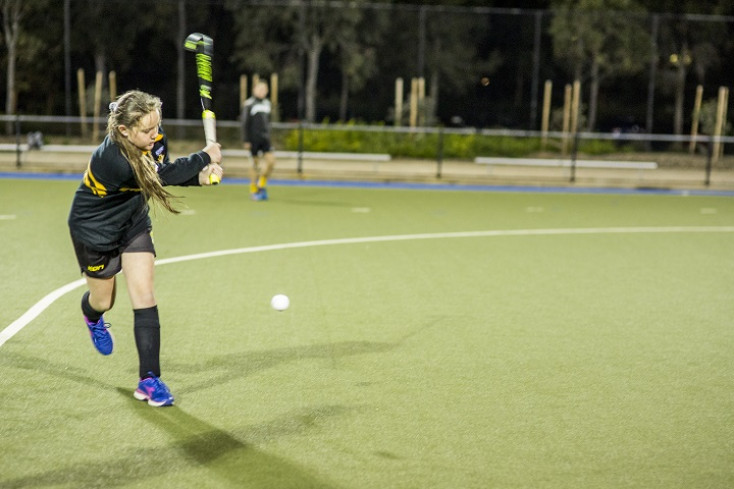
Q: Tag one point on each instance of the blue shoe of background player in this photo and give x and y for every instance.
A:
(153, 390)
(261, 194)
(101, 336)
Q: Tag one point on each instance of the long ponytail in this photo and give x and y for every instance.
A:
(129, 108)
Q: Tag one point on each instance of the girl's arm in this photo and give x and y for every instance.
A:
(184, 171)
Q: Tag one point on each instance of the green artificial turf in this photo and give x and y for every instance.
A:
(562, 360)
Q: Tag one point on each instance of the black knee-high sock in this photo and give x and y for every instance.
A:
(88, 310)
(148, 340)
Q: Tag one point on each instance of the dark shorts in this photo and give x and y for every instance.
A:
(260, 146)
(106, 264)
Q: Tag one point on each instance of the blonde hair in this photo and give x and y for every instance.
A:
(128, 110)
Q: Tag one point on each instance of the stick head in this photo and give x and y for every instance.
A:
(199, 43)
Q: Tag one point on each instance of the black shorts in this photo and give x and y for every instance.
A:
(106, 264)
(260, 146)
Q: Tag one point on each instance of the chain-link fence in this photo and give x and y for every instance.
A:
(425, 65)
(428, 82)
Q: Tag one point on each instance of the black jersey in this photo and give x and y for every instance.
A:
(256, 120)
(108, 209)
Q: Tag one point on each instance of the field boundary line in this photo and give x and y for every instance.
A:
(16, 326)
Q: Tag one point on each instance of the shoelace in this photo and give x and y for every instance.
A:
(104, 326)
(159, 386)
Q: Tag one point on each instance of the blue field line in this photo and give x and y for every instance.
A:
(424, 186)
(39, 176)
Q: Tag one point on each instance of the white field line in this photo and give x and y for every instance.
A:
(49, 299)
(37, 309)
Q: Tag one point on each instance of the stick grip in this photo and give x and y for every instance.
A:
(210, 133)
(210, 126)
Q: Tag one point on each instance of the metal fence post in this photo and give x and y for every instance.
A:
(300, 147)
(709, 160)
(439, 153)
(574, 154)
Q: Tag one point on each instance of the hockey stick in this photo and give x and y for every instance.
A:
(203, 46)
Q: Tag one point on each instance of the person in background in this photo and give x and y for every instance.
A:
(256, 137)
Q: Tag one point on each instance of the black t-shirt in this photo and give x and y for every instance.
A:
(256, 120)
(109, 209)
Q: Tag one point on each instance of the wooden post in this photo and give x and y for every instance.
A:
(566, 118)
(696, 118)
(421, 101)
(82, 100)
(97, 105)
(274, 96)
(413, 102)
(545, 120)
(398, 102)
(255, 79)
(723, 118)
(243, 90)
(720, 122)
(113, 85)
(575, 104)
(724, 109)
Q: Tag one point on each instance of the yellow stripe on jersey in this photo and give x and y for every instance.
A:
(97, 188)
(157, 159)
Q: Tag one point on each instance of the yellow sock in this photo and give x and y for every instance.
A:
(253, 188)
(262, 181)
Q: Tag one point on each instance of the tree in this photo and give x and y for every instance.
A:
(13, 12)
(452, 58)
(110, 45)
(30, 36)
(441, 46)
(298, 32)
(265, 41)
(598, 40)
(357, 54)
(685, 45)
(323, 27)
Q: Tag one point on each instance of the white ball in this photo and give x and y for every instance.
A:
(280, 302)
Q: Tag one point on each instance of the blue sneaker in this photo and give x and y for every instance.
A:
(261, 194)
(153, 390)
(101, 336)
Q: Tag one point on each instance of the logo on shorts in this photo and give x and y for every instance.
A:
(95, 268)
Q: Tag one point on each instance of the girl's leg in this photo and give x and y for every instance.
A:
(138, 269)
(96, 301)
(99, 298)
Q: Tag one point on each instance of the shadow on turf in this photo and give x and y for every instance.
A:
(203, 445)
(200, 445)
(243, 364)
(195, 444)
